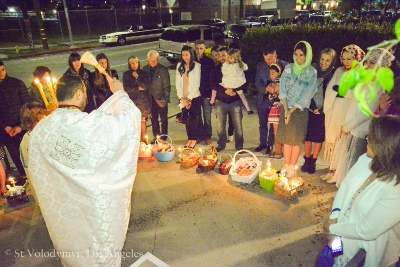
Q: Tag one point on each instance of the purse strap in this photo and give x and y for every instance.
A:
(367, 182)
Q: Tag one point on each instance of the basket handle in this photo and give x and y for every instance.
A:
(188, 148)
(244, 150)
(212, 150)
(225, 153)
(170, 139)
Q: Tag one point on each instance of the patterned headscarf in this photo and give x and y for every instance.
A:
(298, 69)
(376, 54)
(354, 50)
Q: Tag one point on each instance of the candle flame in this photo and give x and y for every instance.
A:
(48, 79)
(37, 81)
(54, 80)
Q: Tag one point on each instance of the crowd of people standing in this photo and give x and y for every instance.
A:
(298, 104)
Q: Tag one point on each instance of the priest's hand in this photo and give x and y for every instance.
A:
(116, 85)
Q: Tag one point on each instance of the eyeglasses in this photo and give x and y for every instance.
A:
(366, 138)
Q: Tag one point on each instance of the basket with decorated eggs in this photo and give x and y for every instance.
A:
(164, 150)
(209, 159)
(189, 157)
(225, 164)
(245, 169)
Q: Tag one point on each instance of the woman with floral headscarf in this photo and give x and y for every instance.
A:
(297, 87)
(355, 124)
(325, 66)
(335, 108)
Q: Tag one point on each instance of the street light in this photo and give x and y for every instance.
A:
(170, 12)
(143, 7)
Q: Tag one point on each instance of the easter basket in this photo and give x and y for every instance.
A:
(187, 159)
(145, 150)
(16, 196)
(288, 189)
(225, 165)
(163, 150)
(245, 169)
(208, 162)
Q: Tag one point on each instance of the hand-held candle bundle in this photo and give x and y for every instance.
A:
(88, 58)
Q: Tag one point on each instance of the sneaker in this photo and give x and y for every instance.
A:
(331, 180)
(208, 142)
(290, 172)
(230, 138)
(250, 112)
(268, 150)
(326, 176)
(260, 148)
(220, 148)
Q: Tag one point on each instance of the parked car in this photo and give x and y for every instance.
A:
(236, 31)
(174, 38)
(133, 33)
(217, 23)
(371, 15)
(303, 15)
(249, 23)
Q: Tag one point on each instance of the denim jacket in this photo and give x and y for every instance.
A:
(298, 89)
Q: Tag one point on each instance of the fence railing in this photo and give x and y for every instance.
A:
(85, 24)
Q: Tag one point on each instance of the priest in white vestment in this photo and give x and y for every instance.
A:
(83, 167)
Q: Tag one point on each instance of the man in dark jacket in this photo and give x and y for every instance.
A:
(13, 94)
(227, 103)
(207, 66)
(263, 103)
(160, 89)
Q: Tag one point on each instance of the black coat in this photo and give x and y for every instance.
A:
(13, 94)
(101, 92)
(85, 76)
(141, 98)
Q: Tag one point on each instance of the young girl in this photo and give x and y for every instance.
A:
(275, 112)
(233, 77)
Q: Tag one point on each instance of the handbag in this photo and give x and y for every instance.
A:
(325, 257)
(181, 118)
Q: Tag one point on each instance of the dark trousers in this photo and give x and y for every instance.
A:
(231, 128)
(194, 122)
(156, 112)
(266, 131)
(12, 145)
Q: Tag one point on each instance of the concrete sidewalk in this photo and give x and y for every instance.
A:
(186, 218)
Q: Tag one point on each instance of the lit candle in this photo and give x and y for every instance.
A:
(12, 182)
(50, 85)
(39, 85)
(295, 170)
(147, 139)
(268, 166)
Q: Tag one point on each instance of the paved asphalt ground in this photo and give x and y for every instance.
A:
(191, 219)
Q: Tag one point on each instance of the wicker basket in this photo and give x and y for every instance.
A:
(143, 150)
(211, 159)
(281, 190)
(225, 165)
(189, 160)
(246, 169)
(169, 154)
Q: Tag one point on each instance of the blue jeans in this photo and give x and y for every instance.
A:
(206, 110)
(266, 135)
(235, 110)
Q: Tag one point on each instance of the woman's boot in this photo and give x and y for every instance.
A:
(311, 165)
(306, 165)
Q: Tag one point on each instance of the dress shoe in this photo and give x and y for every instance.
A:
(154, 141)
(260, 148)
